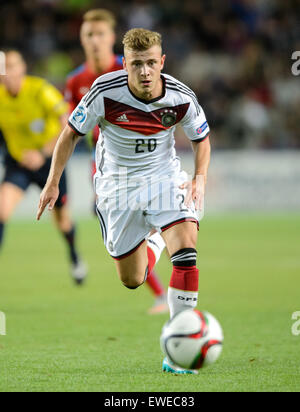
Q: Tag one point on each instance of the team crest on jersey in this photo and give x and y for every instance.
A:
(80, 115)
(168, 118)
(140, 121)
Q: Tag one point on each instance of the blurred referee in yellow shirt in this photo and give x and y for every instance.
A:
(32, 115)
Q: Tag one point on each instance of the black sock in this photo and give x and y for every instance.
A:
(70, 238)
(1, 233)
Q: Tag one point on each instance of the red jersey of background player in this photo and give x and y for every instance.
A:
(79, 82)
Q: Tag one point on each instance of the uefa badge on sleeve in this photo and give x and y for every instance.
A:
(202, 128)
(168, 118)
(79, 115)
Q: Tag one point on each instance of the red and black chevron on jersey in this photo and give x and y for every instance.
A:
(140, 121)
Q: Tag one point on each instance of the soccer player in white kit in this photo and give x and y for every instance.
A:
(139, 184)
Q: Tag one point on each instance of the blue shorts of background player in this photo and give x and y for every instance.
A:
(23, 178)
(15, 182)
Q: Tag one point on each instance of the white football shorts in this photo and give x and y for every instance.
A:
(127, 215)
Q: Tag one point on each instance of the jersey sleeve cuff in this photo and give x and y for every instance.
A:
(202, 138)
(75, 130)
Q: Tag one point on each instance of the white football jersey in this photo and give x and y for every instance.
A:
(138, 134)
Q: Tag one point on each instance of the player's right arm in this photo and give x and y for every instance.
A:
(63, 150)
(197, 129)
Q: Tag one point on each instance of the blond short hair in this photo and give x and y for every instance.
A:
(100, 15)
(12, 51)
(8, 51)
(141, 39)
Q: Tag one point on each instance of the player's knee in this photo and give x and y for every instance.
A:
(132, 285)
(132, 282)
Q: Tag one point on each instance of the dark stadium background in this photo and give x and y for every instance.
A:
(235, 54)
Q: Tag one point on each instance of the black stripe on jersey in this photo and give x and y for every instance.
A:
(188, 92)
(184, 90)
(99, 87)
(103, 90)
(183, 86)
(100, 84)
(74, 129)
(176, 89)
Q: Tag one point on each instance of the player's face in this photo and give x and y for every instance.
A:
(97, 39)
(144, 68)
(15, 71)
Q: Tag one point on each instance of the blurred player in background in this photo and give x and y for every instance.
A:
(32, 114)
(97, 36)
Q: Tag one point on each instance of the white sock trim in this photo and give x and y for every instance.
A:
(156, 244)
(179, 300)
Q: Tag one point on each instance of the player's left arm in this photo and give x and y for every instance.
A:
(197, 130)
(196, 187)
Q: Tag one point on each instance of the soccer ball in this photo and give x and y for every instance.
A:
(192, 339)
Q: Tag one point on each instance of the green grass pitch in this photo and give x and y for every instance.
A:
(99, 337)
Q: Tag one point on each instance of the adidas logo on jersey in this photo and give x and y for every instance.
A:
(122, 118)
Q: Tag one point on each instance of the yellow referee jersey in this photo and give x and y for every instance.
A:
(32, 118)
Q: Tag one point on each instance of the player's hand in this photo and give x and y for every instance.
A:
(195, 192)
(32, 160)
(49, 197)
